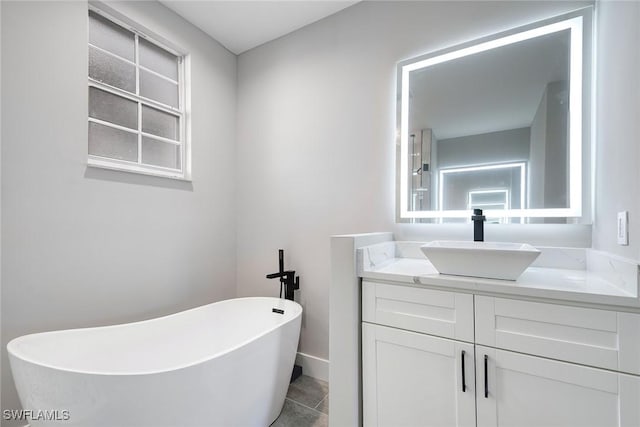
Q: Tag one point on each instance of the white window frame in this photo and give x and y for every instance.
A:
(182, 112)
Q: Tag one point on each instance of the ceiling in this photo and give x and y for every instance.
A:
(242, 25)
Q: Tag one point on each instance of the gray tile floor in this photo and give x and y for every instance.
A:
(306, 405)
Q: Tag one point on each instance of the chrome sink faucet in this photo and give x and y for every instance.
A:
(478, 225)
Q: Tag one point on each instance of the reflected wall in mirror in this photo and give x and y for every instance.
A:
(500, 124)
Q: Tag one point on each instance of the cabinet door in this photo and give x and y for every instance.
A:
(412, 379)
(519, 390)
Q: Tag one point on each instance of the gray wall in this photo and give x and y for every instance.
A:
(618, 126)
(316, 133)
(549, 157)
(537, 154)
(84, 247)
(495, 147)
(488, 148)
(556, 194)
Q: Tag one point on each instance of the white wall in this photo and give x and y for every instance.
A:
(85, 247)
(316, 132)
(618, 126)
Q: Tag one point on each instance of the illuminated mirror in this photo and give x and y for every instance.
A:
(500, 124)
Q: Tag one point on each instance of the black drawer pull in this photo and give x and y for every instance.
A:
(464, 385)
(486, 377)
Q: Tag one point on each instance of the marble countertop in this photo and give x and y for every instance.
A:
(585, 277)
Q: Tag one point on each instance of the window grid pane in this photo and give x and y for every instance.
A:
(160, 153)
(157, 59)
(158, 89)
(109, 142)
(158, 123)
(111, 70)
(112, 108)
(111, 37)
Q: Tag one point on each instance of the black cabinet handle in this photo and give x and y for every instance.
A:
(486, 377)
(464, 384)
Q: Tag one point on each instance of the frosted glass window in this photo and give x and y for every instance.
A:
(110, 70)
(111, 37)
(158, 89)
(159, 60)
(105, 141)
(136, 118)
(112, 108)
(160, 153)
(160, 123)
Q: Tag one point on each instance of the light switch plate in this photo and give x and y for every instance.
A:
(623, 228)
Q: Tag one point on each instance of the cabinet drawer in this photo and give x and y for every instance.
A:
(441, 313)
(601, 338)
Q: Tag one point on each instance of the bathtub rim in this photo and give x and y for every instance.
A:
(222, 353)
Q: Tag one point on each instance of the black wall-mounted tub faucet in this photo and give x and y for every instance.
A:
(478, 225)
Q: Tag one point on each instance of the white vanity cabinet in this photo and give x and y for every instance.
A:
(535, 364)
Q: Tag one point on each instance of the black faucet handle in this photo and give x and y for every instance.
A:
(477, 215)
(285, 274)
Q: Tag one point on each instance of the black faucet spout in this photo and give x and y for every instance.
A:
(478, 225)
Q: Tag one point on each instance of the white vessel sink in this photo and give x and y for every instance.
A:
(491, 260)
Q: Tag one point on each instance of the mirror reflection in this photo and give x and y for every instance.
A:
(496, 128)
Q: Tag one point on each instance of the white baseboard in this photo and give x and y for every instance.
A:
(313, 366)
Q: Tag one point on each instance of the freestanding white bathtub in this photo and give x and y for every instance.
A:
(224, 364)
